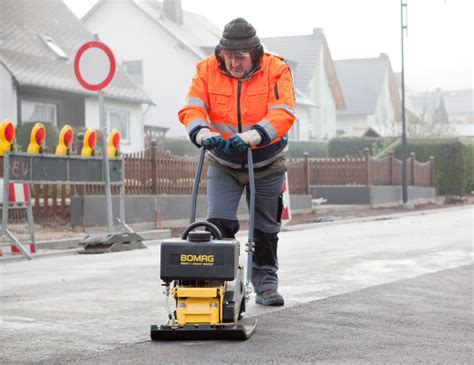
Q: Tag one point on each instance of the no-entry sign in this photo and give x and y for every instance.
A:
(94, 65)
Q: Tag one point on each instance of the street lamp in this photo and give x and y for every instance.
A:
(404, 26)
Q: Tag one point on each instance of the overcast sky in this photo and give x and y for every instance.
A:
(438, 49)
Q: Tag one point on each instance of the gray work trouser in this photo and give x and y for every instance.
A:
(224, 192)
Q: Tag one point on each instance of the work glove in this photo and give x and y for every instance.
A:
(209, 140)
(241, 141)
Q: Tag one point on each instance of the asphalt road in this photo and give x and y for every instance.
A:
(427, 319)
(88, 308)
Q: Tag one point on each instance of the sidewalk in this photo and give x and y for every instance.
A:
(323, 216)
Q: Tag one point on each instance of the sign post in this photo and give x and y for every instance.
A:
(94, 66)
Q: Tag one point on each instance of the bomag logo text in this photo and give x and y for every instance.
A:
(197, 259)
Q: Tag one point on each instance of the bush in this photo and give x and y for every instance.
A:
(453, 162)
(468, 144)
(345, 146)
(23, 133)
(315, 149)
(180, 147)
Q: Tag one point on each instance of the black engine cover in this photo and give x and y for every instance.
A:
(211, 260)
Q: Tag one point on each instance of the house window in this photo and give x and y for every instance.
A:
(120, 120)
(53, 46)
(32, 111)
(134, 69)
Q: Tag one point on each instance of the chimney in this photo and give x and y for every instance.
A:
(173, 11)
(317, 32)
(384, 57)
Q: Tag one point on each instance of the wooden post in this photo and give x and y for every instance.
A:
(413, 168)
(433, 178)
(390, 161)
(306, 173)
(154, 167)
(367, 166)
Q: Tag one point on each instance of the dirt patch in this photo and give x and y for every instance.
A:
(44, 232)
(324, 215)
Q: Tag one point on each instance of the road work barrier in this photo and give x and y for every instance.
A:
(22, 169)
(19, 205)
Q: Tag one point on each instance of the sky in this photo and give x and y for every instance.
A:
(438, 49)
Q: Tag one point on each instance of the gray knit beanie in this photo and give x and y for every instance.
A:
(239, 34)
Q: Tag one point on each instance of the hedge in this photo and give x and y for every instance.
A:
(355, 146)
(313, 148)
(468, 144)
(23, 133)
(182, 147)
(453, 162)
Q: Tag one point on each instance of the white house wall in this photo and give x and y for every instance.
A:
(324, 115)
(8, 96)
(136, 142)
(167, 66)
(384, 118)
(301, 129)
(353, 125)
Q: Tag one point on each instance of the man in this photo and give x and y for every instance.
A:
(242, 97)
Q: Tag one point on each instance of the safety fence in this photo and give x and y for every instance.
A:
(152, 172)
(365, 170)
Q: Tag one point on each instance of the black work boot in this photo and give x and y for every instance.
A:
(269, 297)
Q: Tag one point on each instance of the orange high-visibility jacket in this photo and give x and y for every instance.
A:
(263, 101)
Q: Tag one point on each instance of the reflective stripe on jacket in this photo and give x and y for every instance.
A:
(263, 101)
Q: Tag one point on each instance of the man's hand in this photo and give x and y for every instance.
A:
(209, 140)
(242, 141)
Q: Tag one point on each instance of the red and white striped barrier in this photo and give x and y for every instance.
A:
(17, 193)
(286, 212)
(13, 250)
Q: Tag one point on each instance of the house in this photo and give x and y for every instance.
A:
(159, 45)
(318, 92)
(428, 106)
(460, 105)
(371, 95)
(439, 112)
(426, 114)
(460, 108)
(38, 43)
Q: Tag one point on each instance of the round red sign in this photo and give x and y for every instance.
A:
(94, 65)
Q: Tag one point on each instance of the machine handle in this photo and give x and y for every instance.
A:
(250, 242)
(216, 233)
(197, 179)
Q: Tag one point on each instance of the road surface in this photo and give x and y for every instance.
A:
(392, 290)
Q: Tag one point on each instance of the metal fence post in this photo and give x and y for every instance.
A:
(306, 173)
(154, 167)
(367, 165)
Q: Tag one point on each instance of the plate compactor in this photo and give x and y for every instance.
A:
(201, 272)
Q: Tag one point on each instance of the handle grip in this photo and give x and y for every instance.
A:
(215, 232)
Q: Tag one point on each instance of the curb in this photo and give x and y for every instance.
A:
(68, 246)
(71, 243)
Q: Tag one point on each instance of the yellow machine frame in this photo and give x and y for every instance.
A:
(199, 305)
